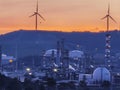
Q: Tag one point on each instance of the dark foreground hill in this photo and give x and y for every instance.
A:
(27, 43)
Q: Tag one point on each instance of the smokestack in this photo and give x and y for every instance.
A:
(62, 51)
(58, 53)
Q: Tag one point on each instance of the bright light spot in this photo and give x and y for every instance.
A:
(10, 60)
(55, 70)
(118, 74)
(30, 73)
(91, 66)
(28, 69)
(109, 65)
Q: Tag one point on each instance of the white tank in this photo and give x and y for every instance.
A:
(76, 54)
(101, 74)
(48, 53)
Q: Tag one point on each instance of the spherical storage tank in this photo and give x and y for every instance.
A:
(76, 54)
(101, 74)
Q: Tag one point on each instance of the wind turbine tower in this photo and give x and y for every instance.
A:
(108, 39)
(36, 14)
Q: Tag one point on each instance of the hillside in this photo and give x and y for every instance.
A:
(30, 42)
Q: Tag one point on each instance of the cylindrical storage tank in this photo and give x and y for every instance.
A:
(49, 53)
(101, 74)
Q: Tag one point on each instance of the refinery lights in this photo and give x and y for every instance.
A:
(55, 70)
(28, 69)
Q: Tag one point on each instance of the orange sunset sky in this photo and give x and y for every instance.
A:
(60, 15)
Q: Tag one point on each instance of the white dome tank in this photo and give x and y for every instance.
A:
(48, 53)
(101, 74)
(76, 54)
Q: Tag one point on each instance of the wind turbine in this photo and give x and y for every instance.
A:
(108, 16)
(36, 14)
(108, 38)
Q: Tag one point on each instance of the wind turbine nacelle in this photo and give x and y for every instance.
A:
(35, 12)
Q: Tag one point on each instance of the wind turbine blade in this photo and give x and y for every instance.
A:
(109, 9)
(41, 16)
(37, 7)
(32, 15)
(104, 17)
(113, 19)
